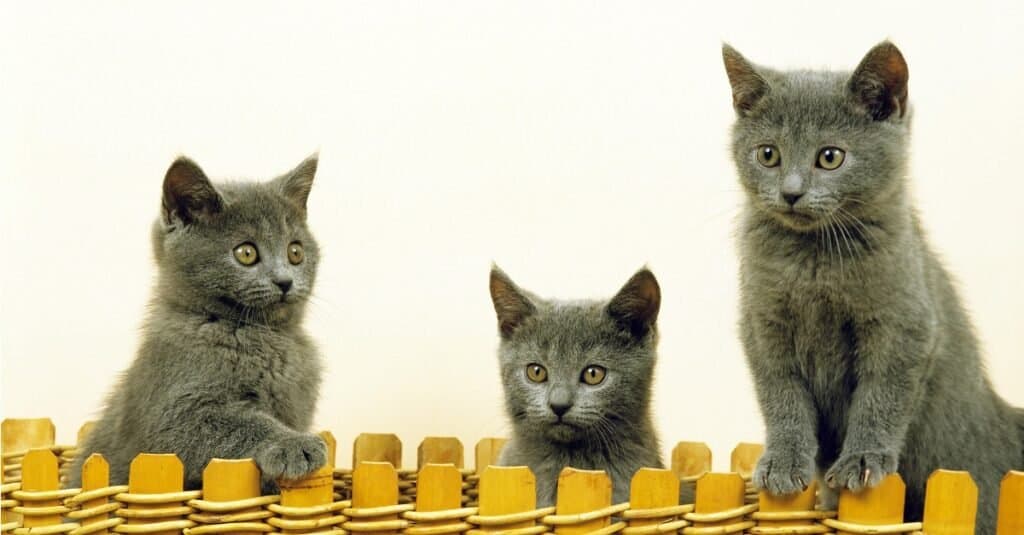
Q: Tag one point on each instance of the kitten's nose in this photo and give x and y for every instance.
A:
(559, 408)
(284, 285)
(792, 198)
(560, 400)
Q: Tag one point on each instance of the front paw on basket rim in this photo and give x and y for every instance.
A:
(860, 470)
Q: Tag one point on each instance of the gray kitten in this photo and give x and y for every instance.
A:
(577, 378)
(863, 358)
(225, 368)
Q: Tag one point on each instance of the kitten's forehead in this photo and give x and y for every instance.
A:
(260, 206)
(798, 100)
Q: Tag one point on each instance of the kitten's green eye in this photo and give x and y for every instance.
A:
(768, 155)
(295, 254)
(831, 158)
(536, 373)
(593, 375)
(246, 254)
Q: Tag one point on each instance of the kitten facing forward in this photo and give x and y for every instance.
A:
(577, 378)
(863, 358)
(225, 368)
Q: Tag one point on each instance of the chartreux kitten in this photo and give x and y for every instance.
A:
(863, 357)
(577, 377)
(225, 368)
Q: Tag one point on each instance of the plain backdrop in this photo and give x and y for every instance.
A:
(570, 142)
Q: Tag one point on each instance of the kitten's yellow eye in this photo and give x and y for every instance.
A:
(295, 253)
(593, 375)
(768, 156)
(246, 254)
(831, 158)
(536, 373)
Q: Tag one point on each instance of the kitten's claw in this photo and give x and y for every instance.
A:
(292, 457)
(856, 471)
(781, 472)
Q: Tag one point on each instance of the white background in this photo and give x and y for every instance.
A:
(569, 142)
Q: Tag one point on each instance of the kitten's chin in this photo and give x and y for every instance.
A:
(562, 433)
(795, 221)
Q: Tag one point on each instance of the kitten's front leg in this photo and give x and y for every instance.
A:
(889, 367)
(788, 464)
(239, 430)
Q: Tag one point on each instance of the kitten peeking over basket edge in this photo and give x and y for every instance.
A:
(577, 380)
(224, 368)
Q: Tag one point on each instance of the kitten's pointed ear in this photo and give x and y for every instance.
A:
(748, 87)
(637, 303)
(880, 82)
(188, 194)
(510, 303)
(297, 183)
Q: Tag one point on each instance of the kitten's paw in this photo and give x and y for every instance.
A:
(292, 457)
(856, 471)
(784, 472)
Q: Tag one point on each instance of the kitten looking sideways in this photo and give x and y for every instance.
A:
(225, 368)
(863, 358)
(577, 377)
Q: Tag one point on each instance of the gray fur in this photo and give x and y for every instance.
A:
(863, 358)
(225, 369)
(608, 426)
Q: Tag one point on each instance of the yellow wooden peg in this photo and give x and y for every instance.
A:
(83, 432)
(582, 491)
(487, 452)
(374, 484)
(314, 489)
(95, 475)
(39, 473)
(1011, 504)
(718, 493)
(377, 447)
(771, 508)
(155, 473)
(876, 506)
(440, 450)
(438, 488)
(653, 489)
(950, 504)
(744, 458)
(691, 459)
(332, 447)
(506, 490)
(20, 434)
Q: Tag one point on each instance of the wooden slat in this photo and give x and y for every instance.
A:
(1011, 504)
(20, 434)
(652, 488)
(505, 490)
(377, 447)
(719, 492)
(440, 450)
(691, 459)
(95, 475)
(951, 503)
(876, 506)
(84, 431)
(744, 458)
(314, 489)
(151, 473)
(375, 484)
(582, 491)
(332, 447)
(39, 472)
(487, 451)
(803, 501)
(226, 480)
